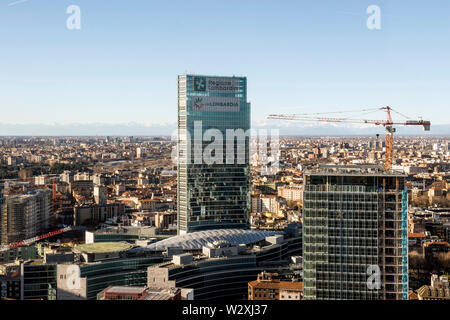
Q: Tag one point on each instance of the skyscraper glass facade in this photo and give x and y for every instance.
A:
(355, 226)
(212, 195)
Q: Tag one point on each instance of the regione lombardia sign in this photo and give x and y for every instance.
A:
(204, 102)
(216, 85)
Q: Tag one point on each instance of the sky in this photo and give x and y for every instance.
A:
(298, 56)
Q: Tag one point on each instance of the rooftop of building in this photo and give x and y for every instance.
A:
(436, 243)
(125, 290)
(103, 247)
(352, 170)
(412, 295)
(145, 292)
(196, 240)
(277, 284)
(161, 293)
(124, 229)
(416, 235)
(196, 260)
(428, 292)
(34, 262)
(213, 76)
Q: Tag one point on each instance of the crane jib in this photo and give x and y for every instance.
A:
(388, 124)
(34, 239)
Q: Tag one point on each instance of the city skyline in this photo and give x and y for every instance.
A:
(224, 152)
(114, 220)
(294, 128)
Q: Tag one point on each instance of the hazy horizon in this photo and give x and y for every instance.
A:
(121, 65)
(139, 129)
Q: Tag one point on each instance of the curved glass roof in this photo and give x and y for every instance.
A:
(196, 240)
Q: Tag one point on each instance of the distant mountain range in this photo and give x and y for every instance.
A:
(140, 129)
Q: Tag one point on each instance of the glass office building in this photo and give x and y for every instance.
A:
(226, 277)
(354, 226)
(97, 276)
(38, 280)
(213, 194)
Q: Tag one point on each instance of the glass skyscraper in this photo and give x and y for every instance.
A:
(216, 194)
(355, 223)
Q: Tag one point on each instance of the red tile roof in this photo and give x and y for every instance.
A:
(416, 235)
(276, 285)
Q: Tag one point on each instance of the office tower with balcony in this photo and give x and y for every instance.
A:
(212, 195)
(355, 232)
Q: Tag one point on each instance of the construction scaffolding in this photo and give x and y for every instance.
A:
(353, 219)
(25, 216)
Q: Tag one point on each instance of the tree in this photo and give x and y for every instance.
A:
(417, 263)
(444, 261)
(421, 202)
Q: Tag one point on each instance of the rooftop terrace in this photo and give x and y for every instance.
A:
(103, 247)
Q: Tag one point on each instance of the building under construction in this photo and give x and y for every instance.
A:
(2, 201)
(355, 228)
(25, 216)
